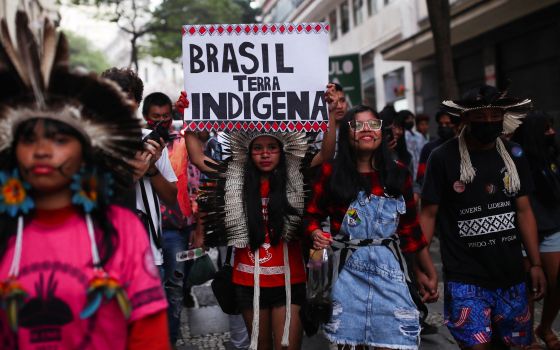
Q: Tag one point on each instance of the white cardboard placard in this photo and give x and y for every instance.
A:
(256, 76)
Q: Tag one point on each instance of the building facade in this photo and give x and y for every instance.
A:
(511, 44)
(494, 42)
(359, 27)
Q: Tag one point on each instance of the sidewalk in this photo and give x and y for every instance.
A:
(206, 327)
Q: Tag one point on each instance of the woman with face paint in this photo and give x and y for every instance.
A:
(367, 194)
(75, 271)
(537, 139)
(253, 202)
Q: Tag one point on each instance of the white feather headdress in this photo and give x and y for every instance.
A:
(513, 113)
(488, 97)
(223, 200)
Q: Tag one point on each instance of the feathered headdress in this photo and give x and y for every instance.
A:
(222, 196)
(488, 97)
(226, 221)
(37, 83)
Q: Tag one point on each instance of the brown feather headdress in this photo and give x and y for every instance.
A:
(38, 83)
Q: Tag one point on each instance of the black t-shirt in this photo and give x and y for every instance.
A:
(480, 241)
(429, 148)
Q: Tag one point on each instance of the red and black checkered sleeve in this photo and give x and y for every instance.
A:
(422, 163)
(420, 173)
(411, 236)
(317, 210)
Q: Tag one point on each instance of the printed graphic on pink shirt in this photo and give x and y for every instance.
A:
(56, 270)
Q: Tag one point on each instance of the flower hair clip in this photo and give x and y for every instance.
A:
(14, 197)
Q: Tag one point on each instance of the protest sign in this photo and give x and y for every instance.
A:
(256, 76)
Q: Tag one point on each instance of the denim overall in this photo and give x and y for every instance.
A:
(371, 301)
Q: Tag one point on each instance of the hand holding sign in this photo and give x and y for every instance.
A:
(182, 103)
(330, 96)
(330, 93)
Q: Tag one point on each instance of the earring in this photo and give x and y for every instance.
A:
(87, 186)
(14, 198)
(104, 287)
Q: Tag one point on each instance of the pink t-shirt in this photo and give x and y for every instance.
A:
(55, 270)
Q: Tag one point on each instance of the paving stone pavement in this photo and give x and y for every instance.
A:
(206, 327)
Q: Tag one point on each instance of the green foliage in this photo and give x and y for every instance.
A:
(171, 15)
(83, 55)
(164, 28)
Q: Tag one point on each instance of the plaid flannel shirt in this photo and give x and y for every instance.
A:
(323, 205)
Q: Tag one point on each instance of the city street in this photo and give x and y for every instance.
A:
(206, 326)
(134, 134)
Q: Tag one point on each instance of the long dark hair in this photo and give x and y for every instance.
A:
(346, 182)
(108, 240)
(540, 154)
(278, 206)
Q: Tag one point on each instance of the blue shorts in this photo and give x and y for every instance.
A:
(474, 315)
(550, 244)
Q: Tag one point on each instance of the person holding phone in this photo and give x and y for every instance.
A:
(156, 180)
(393, 132)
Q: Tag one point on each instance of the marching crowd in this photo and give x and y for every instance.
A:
(96, 206)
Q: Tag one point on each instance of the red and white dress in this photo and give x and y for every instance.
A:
(271, 258)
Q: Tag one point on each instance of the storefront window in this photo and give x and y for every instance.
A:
(282, 10)
(394, 86)
(334, 25)
(357, 9)
(344, 18)
(371, 7)
(368, 80)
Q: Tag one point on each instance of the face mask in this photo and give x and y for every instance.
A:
(486, 133)
(165, 124)
(445, 132)
(408, 125)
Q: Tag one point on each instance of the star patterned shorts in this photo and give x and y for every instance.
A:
(474, 315)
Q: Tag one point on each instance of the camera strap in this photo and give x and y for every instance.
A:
(156, 234)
